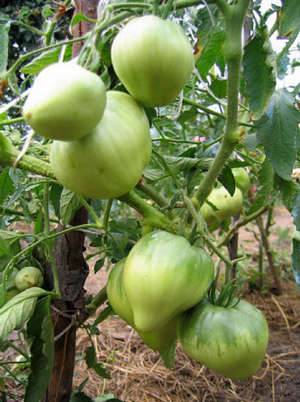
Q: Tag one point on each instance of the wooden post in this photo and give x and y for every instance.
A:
(73, 271)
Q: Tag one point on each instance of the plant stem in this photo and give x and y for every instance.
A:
(197, 218)
(91, 211)
(241, 223)
(12, 121)
(106, 214)
(153, 194)
(234, 18)
(97, 301)
(152, 216)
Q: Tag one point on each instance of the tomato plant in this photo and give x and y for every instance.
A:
(122, 150)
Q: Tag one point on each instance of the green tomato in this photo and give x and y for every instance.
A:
(242, 179)
(110, 160)
(11, 293)
(161, 340)
(163, 276)
(231, 341)
(28, 277)
(116, 293)
(66, 102)
(153, 58)
(226, 206)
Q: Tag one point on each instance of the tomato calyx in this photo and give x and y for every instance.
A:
(227, 296)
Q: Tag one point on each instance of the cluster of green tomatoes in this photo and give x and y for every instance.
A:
(101, 146)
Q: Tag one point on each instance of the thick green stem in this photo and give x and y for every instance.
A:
(153, 194)
(234, 17)
(11, 121)
(97, 301)
(152, 216)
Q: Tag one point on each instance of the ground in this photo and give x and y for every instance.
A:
(138, 374)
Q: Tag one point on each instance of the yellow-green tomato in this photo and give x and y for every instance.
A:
(110, 160)
(225, 206)
(242, 179)
(153, 59)
(231, 341)
(116, 293)
(163, 276)
(161, 340)
(28, 277)
(66, 102)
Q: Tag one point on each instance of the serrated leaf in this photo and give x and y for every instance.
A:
(259, 72)
(227, 179)
(79, 17)
(99, 265)
(4, 247)
(289, 19)
(211, 51)
(91, 361)
(55, 194)
(6, 185)
(45, 59)
(69, 204)
(288, 191)
(4, 40)
(278, 131)
(17, 311)
(40, 330)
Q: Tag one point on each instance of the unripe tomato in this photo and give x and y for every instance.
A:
(231, 341)
(163, 276)
(242, 179)
(28, 277)
(66, 102)
(116, 293)
(226, 206)
(110, 160)
(153, 58)
(160, 340)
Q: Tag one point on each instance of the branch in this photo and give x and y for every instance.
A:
(234, 18)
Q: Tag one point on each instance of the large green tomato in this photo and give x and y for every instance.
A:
(110, 160)
(116, 293)
(225, 204)
(163, 276)
(242, 179)
(28, 277)
(231, 341)
(161, 340)
(66, 102)
(153, 58)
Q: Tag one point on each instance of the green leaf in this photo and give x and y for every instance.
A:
(259, 72)
(4, 39)
(45, 59)
(6, 185)
(278, 131)
(211, 51)
(289, 19)
(91, 361)
(17, 311)
(107, 398)
(227, 179)
(55, 194)
(40, 330)
(69, 204)
(103, 315)
(168, 355)
(4, 247)
(296, 212)
(288, 190)
(80, 17)
(79, 396)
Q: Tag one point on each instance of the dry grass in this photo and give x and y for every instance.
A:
(138, 374)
